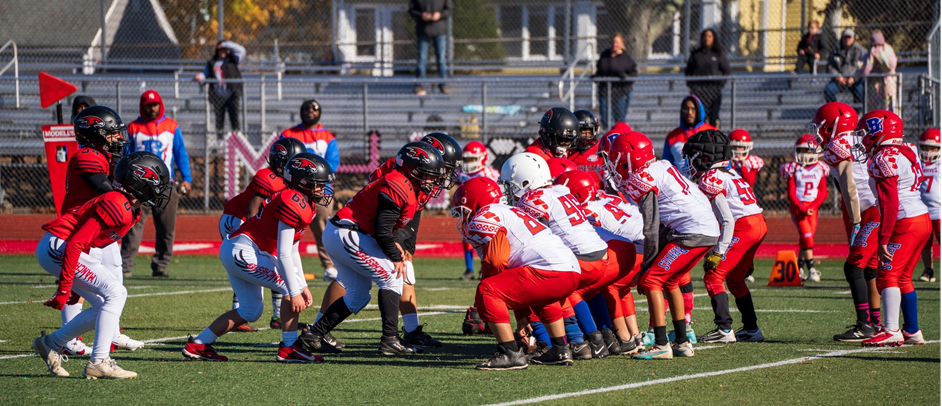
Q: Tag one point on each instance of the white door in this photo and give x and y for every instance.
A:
(372, 28)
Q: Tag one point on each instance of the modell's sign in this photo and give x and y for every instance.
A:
(59, 142)
(56, 133)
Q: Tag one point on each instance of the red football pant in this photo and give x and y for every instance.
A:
(863, 254)
(936, 228)
(748, 234)
(909, 236)
(672, 267)
(629, 269)
(523, 287)
(602, 273)
(807, 226)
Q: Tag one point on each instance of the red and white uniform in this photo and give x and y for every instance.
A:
(807, 189)
(265, 183)
(742, 201)
(486, 171)
(839, 149)
(523, 264)
(863, 253)
(566, 218)
(929, 188)
(619, 223)
(748, 168)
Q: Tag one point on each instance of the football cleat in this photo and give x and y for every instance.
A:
(76, 347)
(655, 352)
(749, 336)
(296, 354)
(472, 323)
(597, 344)
(541, 348)
(316, 343)
(801, 274)
(580, 351)
(684, 349)
(275, 323)
(750, 279)
(330, 339)
(505, 360)
(204, 352)
(107, 369)
(395, 345)
(719, 335)
(124, 342)
(421, 339)
(611, 341)
(467, 276)
(557, 355)
(53, 358)
(886, 338)
(928, 275)
(330, 274)
(814, 275)
(632, 345)
(914, 338)
(245, 328)
(858, 332)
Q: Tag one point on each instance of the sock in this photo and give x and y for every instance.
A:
(410, 322)
(560, 341)
(573, 333)
(510, 345)
(235, 301)
(69, 312)
(687, 291)
(333, 315)
(539, 331)
(910, 314)
(600, 312)
(276, 298)
(875, 317)
(660, 335)
(891, 302)
(584, 317)
(721, 317)
(469, 260)
(289, 337)
(858, 291)
(680, 331)
(810, 264)
(319, 315)
(205, 337)
(748, 312)
(389, 310)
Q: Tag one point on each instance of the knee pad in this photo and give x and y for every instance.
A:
(849, 271)
(250, 311)
(870, 273)
(688, 288)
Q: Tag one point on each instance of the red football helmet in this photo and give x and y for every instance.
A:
(806, 150)
(581, 185)
(472, 195)
(605, 143)
(741, 143)
(880, 127)
(930, 145)
(832, 119)
(629, 152)
(559, 166)
(474, 156)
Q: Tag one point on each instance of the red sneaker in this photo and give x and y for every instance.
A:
(296, 353)
(245, 328)
(891, 338)
(204, 352)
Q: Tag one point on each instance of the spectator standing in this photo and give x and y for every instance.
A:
(431, 27)
(225, 95)
(322, 143)
(881, 92)
(809, 48)
(692, 117)
(845, 62)
(615, 62)
(156, 133)
(708, 60)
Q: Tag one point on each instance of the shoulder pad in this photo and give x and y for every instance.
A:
(711, 184)
(88, 160)
(639, 184)
(483, 227)
(397, 187)
(885, 163)
(292, 208)
(114, 209)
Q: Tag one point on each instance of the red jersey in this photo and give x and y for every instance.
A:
(77, 190)
(265, 183)
(538, 148)
(362, 208)
(589, 162)
(390, 166)
(748, 168)
(288, 206)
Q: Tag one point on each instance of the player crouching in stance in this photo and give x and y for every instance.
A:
(807, 189)
(742, 230)
(904, 224)
(523, 265)
(263, 253)
(140, 178)
(664, 196)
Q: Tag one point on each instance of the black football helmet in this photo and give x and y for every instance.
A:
(311, 175)
(588, 130)
(423, 165)
(144, 176)
(93, 126)
(558, 130)
(703, 150)
(451, 153)
(281, 151)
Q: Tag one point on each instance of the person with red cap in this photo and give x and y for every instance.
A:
(746, 165)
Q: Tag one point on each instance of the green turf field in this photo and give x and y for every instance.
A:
(797, 322)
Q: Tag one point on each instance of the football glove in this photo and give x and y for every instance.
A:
(712, 261)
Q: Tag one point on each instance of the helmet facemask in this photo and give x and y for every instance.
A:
(805, 156)
(471, 162)
(929, 153)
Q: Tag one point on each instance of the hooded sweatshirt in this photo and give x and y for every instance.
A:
(674, 143)
(86, 100)
(160, 136)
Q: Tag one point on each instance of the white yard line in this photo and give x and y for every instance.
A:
(694, 376)
(179, 292)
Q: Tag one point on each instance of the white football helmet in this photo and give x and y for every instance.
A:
(523, 172)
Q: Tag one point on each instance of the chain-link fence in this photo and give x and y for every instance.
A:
(379, 37)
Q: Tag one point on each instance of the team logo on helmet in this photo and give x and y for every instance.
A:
(548, 115)
(611, 137)
(90, 122)
(418, 153)
(434, 142)
(875, 125)
(280, 149)
(147, 174)
(302, 163)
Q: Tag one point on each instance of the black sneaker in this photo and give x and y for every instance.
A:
(419, 338)
(505, 360)
(630, 346)
(928, 275)
(275, 323)
(159, 273)
(472, 323)
(857, 333)
(467, 276)
(395, 345)
(330, 339)
(558, 355)
(316, 343)
(597, 344)
(611, 341)
(580, 350)
(541, 348)
(719, 335)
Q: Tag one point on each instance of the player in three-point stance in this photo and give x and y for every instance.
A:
(807, 189)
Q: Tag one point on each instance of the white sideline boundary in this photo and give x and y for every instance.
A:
(695, 376)
(179, 292)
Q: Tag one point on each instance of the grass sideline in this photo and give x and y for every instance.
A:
(798, 322)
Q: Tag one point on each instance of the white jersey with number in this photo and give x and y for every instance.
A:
(615, 218)
(807, 178)
(838, 150)
(531, 243)
(486, 171)
(565, 217)
(929, 188)
(682, 206)
(742, 201)
(889, 162)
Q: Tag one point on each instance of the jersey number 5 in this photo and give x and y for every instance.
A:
(745, 192)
